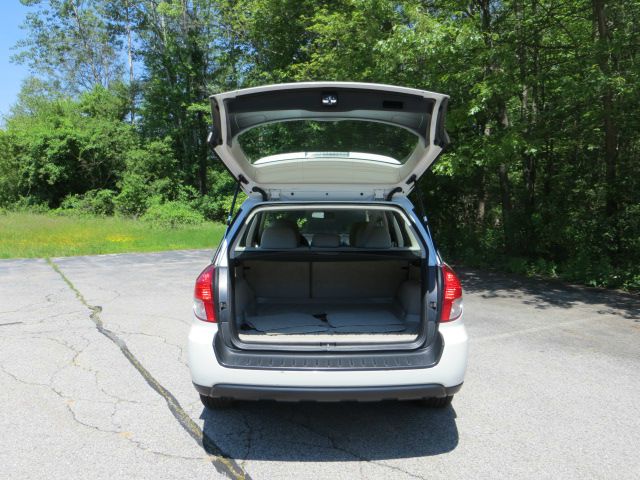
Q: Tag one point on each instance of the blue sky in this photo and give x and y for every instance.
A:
(11, 16)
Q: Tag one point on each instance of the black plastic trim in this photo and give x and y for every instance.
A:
(318, 254)
(305, 102)
(231, 357)
(259, 190)
(392, 193)
(328, 394)
(215, 134)
(442, 137)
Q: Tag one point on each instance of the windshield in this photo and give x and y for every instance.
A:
(352, 139)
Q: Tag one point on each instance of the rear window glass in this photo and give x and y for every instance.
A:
(328, 228)
(331, 138)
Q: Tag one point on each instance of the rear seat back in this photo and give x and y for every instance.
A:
(278, 279)
(325, 279)
(363, 279)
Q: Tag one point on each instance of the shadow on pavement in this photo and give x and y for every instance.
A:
(331, 432)
(544, 294)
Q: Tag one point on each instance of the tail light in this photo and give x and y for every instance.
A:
(452, 298)
(203, 300)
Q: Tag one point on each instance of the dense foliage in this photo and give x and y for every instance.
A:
(543, 174)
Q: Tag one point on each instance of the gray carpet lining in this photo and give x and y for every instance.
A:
(327, 319)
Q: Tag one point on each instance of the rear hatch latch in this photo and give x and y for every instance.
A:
(274, 194)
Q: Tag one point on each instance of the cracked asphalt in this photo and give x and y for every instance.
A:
(94, 384)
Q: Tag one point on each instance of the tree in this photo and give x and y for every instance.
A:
(69, 44)
(53, 147)
(542, 175)
(178, 40)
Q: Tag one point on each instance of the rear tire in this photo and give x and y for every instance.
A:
(437, 402)
(215, 403)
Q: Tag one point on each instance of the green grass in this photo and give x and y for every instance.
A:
(24, 235)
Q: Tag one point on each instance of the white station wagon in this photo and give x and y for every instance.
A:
(327, 285)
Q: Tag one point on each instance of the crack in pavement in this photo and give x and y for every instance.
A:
(75, 363)
(223, 463)
(180, 355)
(68, 404)
(333, 444)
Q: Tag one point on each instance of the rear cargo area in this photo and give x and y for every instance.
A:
(327, 301)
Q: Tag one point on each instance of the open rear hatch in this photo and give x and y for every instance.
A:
(330, 140)
(332, 275)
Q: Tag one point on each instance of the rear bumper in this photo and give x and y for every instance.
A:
(328, 359)
(213, 379)
(327, 394)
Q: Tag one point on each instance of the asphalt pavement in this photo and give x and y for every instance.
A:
(94, 384)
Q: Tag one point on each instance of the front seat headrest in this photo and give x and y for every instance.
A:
(325, 240)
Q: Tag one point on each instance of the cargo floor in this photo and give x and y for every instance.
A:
(332, 322)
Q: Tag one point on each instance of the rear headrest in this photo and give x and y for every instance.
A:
(356, 230)
(325, 240)
(279, 236)
(374, 236)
